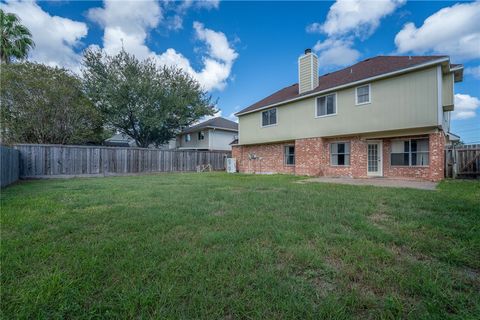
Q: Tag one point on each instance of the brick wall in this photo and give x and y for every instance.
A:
(312, 158)
(269, 158)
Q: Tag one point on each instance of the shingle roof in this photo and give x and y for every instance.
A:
(362, 70)
(218, 123)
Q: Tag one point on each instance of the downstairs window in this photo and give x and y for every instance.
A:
(289, 155)
(340, 154)
(410, 152)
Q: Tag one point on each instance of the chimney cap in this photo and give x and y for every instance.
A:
(308, 50)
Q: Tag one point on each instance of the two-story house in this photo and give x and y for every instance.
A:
(386, 116)
(213, 134)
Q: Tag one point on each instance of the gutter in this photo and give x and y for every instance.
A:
(350, 84)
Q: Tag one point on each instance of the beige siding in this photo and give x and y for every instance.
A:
(447, 89)
(221, 139)
(194, 143)
(406, 101)
(305, 75)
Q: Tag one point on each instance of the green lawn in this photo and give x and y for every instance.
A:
(217, 246)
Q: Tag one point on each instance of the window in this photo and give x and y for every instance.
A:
(410, 152)
(290, 155)
(326, 105)
(269, 117)
(362, 95)
(201, 135)
(188, 137)
(340, 154)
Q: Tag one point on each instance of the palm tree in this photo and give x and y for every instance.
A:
(16, 39)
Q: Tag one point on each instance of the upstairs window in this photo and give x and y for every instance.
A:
(188, 137)
(269, 117)
(201, 135)
(340, 154)
(327, 105)
(362, 95)
(290, 155)
(410, 152)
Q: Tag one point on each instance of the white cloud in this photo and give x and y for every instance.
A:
(336, 52)
(55, 37)
(465, 106)
(219, 113)
(126, 23)
(179, 9)
(360, 17)
(132, 31)
(452, 30)
(347, 20)
(473, 71)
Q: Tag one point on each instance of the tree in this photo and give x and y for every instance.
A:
(16, 39)
(42, 104)
(141, 99)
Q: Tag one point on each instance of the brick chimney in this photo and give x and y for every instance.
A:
(307, 71)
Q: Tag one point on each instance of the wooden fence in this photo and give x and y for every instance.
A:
(463, 161)
(40, 161)
(9, 163)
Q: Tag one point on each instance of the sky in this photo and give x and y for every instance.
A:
(243, 51)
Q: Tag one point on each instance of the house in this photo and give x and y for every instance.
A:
(120, 140)
(213, 134)
(387, 116)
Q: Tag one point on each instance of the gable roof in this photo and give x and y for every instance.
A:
(362, 70)
(214, 123)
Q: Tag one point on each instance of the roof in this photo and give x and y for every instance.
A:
(214, 123)
(362, 70)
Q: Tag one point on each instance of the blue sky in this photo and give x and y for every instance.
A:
(244, 51)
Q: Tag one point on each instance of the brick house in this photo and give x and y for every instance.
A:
(387, 116)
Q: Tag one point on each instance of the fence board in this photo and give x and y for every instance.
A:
(37, 161)
(9, 163)
(463, 161)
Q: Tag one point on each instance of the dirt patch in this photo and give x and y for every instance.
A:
(219, 213)
(405, 253)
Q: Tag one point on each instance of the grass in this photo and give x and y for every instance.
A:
(217, 246)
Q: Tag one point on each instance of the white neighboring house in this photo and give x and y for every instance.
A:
(213, 134)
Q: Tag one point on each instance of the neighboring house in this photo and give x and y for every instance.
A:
(387, 116)
(120, 140)
(214, 134)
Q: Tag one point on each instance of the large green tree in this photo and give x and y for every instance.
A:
(16, 39)
(150, 103)
(41, 104)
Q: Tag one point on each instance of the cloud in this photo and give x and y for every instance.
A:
(219, 113)
(127, 23)
(473, 71)
(55, 38)
(465, 106)
(358, 17)
(454, 31)
(179, 9)
(336, 52)
(346, 21)
(131, 31)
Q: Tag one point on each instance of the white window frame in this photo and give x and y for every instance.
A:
(409, 165)
(285, 155)
(268, 125)
(349, 154)
(369, 95)
(326, 115)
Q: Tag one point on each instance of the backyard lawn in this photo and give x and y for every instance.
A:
(218, 246)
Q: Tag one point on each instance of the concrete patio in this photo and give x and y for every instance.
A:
(377, 182)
